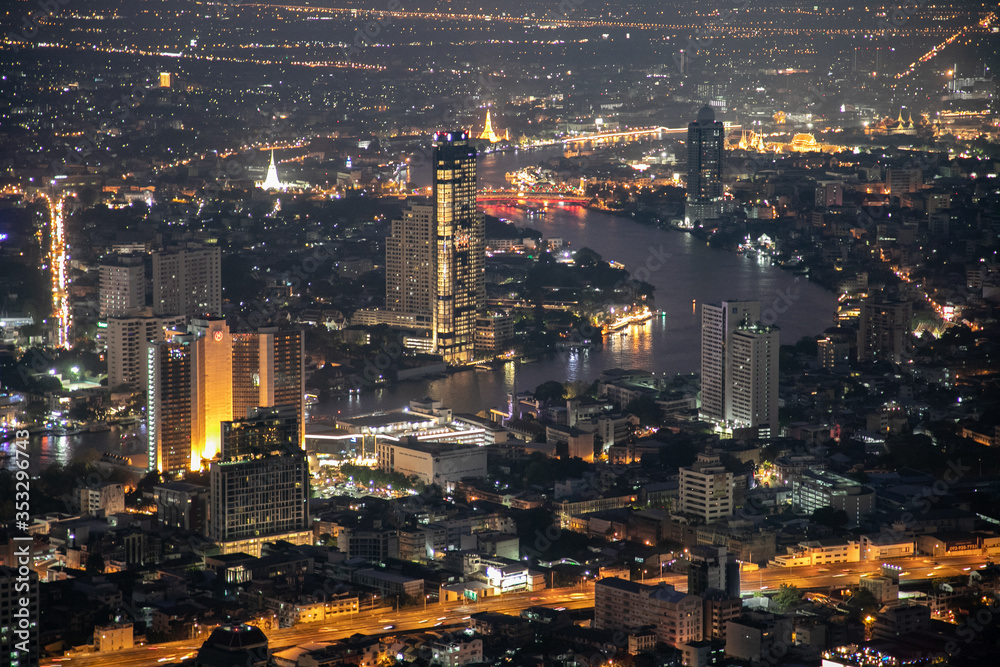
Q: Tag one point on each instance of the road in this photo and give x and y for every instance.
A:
(918, 568)
(365, 622)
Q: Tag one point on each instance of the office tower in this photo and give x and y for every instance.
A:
(718, 323)
(224, 376)
(168, 404)
(752, 379)
(712, 567)
(460, 288)
(19, 616)
(187, 282)
(259, 490)
(901, 181)
(409, 264)
(126, 354)
(706, 489)
(122, 286)
(706, 147)
(211, 386)
(884, 331)
(625, 605)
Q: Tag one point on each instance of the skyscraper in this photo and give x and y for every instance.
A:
(410, 264)
(718, 323)
(459, 247)
(127, 338)
(168, 404)
(884, 330)
(199, 380)
(752, 379)
(259, 489)
(122, 286)
(705, 151)
(187, 282)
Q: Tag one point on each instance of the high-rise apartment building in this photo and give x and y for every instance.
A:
(705, 151)
(259, 489)
(885, 331)
(711, 567)
(410, 276)
(214, 376)
(625, 605)
(459, 248)
(122, 286)
(752, 379)
(127, 337)
(718, 324)
(187, 282)
(168, 404)
(19, 618)
(706, 489)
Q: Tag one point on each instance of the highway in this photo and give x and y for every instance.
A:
(454, 614)
(366, 622)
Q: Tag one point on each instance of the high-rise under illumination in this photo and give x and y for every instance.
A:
(208, 376)
(460, 288)
(705, 149)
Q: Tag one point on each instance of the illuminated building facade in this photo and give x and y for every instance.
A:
(752, 379)
(409, 264)
(123, 286)
(219, 377)
(187, 282)
(168, 403)
(259, 490)
(460, 288)
(706, 147)
(127, 338)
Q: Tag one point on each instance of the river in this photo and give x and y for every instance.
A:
(684, 271)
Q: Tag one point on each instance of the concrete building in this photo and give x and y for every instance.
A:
(113, 637)
(706, 489)
(19, 629)
(718, 323)
(571, 442)
(711, 567)
(122, 286)
(126, 341)
(261, 495)
(410, 274)
(444, 464)
(102, 500)
(819, 488)
(901, 618)
(881, 547)
(758, 636)
(625, 605)
(181, 505)
(885, 331)
(187, 282)
(494, 333)
(752, 379)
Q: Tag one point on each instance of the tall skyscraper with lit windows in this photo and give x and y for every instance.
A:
(705, 151)
(207, 376)
(459, 248)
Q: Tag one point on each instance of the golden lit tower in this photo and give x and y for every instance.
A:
(460, 288)
(211, 387)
